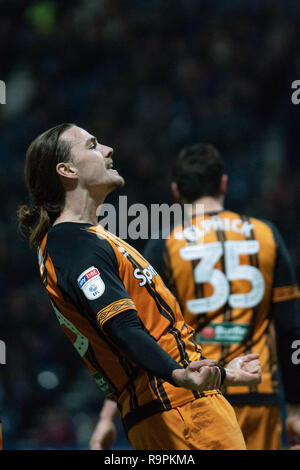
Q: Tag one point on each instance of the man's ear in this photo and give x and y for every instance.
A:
(67, 170)
(223, 185)
(175, 191)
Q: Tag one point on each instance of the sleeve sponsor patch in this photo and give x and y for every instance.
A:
(91, 284)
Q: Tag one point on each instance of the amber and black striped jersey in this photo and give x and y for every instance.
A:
(234, 281)
(91, 276)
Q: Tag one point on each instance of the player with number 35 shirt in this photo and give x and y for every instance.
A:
(235, 284)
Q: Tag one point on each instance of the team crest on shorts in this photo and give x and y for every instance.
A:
(91, 284)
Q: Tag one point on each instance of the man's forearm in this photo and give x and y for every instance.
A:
(109, 410)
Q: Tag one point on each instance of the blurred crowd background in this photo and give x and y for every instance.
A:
(146, 77)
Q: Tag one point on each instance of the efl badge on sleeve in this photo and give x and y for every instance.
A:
(91, 284)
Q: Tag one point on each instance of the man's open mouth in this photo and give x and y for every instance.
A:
(110, 167)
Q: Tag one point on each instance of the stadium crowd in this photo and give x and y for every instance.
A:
(146, 77)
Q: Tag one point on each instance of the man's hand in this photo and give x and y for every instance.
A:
(244, 370)
(198, 376)
(105, 432)
(292, 425)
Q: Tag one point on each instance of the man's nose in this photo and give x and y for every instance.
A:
(108, 152)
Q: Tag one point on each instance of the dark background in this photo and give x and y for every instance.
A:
(146, 77)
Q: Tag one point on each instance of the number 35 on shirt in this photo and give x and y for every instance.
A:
(209, 254)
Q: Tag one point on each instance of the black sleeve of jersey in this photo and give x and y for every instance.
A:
(284, 274)
(154, 253)
(88, 274)
(286, 316)
(287, 326)
(128, 333)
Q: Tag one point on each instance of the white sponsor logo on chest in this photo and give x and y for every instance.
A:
(146, 275)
